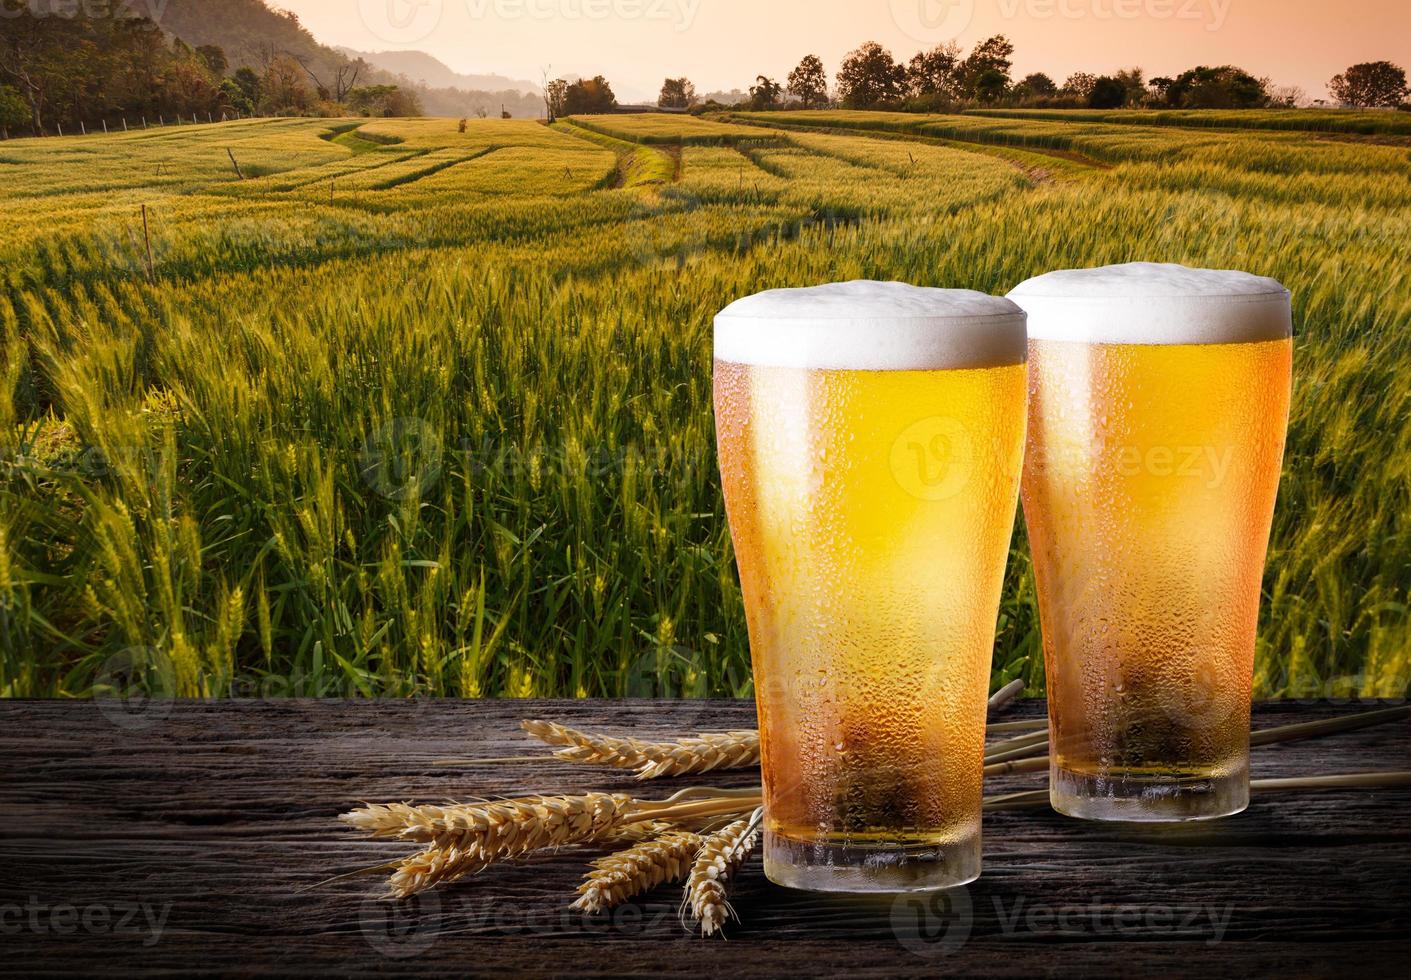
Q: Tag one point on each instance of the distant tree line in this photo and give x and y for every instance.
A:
(945, 77)
(59, 69)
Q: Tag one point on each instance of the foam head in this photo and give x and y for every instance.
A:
(1148, 303)
(872, 326)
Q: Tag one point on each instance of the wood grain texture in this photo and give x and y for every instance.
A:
(215, 819)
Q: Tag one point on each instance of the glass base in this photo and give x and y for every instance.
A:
(1148, 799)
(876, 868)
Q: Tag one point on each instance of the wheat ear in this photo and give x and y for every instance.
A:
(721, 854)
(465, 838)
(651, 760)
(636, 833)
(640, 868)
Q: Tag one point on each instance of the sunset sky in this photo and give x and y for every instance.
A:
(724, 44)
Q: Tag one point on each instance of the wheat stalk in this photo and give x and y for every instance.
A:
(1029, 753)
(640, 868)
(1036, 798)
(1002, 698)
(651, 760)
(495, 825)
(636, 833)
(720, 856)
(435, 866)
(465, 838)
(686, 756)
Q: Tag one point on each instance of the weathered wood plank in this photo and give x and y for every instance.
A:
(209, 819)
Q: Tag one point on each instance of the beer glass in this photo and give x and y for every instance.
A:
(871, 441)
(1159, 402)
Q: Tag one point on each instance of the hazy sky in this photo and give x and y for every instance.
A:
(724, 44)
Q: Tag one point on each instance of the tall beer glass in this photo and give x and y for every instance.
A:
(1159, 402)
(871, 440)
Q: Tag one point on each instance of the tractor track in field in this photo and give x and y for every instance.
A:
(439, 166)
(1021, 158)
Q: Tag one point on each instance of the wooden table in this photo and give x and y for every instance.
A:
(183, 837)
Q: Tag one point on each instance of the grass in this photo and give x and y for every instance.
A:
(637, 165)
(661, 128)
(1368, 122)
(431, 416)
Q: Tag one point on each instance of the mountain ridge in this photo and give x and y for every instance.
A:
(251, 33)
(432, 72)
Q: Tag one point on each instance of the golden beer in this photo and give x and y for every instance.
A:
(1159, 405)
(871, 440)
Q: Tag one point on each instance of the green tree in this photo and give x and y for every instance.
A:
(1080, 84)
(809, 82)
(556, 98)
(187, 89)
(765, 93)
(1134, 85)
(1372, 84)
(870, 77)
(991, 85)
(14, 111)
(937, 72)
(589, 95)
(384, 101)
(236, 98)
(249, 85)
(991, 57)
(1107, 93)
(1037, 85)
(677, 93)
(284, 90)
(214, 57)
(1225, 87)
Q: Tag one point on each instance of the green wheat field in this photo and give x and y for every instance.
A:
(403, 410)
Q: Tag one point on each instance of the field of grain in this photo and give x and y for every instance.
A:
(1367, 122)
(382, 408)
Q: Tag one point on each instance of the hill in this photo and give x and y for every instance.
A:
(427, 70)
(250, 33)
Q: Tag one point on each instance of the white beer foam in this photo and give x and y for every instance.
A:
(872, 326)
(1149, 303)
